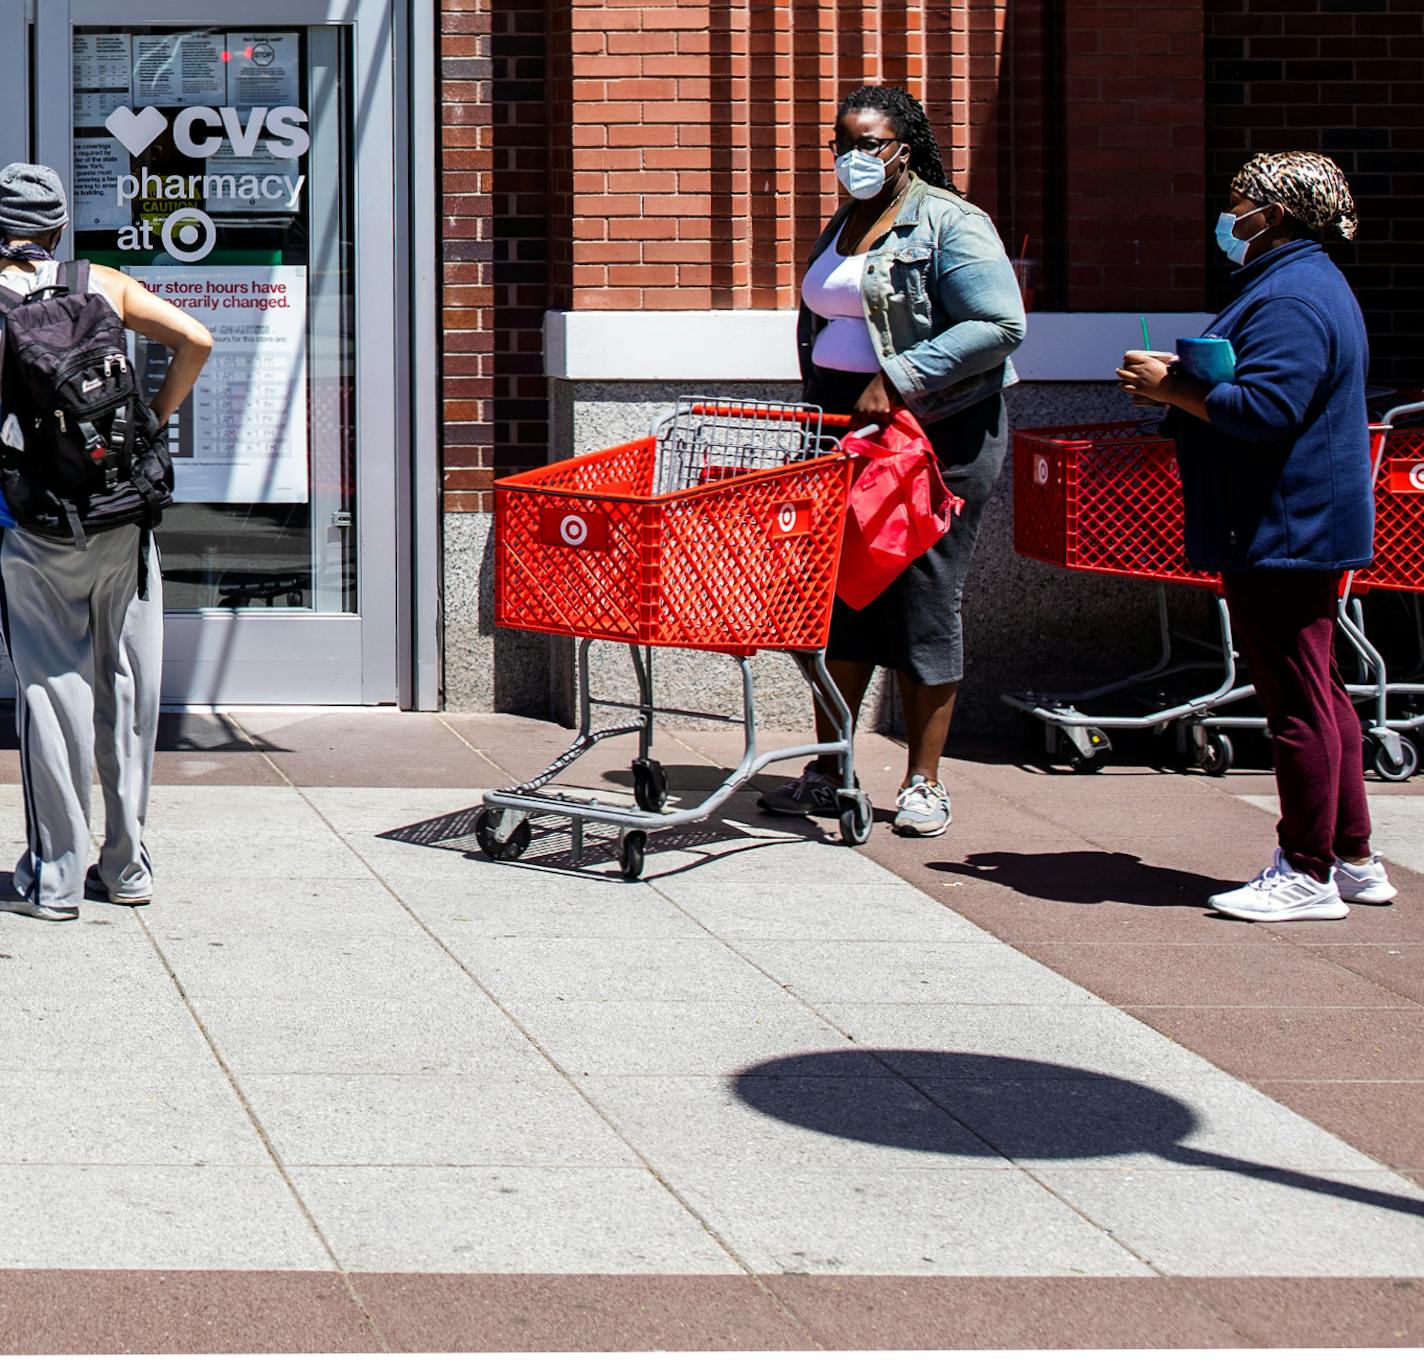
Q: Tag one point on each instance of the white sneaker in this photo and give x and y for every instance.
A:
(1281, 893)
(1366, 883)
(922, 808)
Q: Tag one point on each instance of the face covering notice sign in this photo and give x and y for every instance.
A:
(242, 435)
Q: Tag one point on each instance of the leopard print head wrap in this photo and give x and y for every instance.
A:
(1310, 187)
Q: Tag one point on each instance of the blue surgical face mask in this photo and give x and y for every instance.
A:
(862, 173)
(1236, 247)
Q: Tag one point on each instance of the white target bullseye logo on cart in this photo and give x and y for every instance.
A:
(1040, 471)
(189, 235)
(1416, 477)
(573, 530)
(786, 517)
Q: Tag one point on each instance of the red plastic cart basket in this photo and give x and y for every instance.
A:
(721, 531)
(685, 541)
(1399, 515)
(1105, 498)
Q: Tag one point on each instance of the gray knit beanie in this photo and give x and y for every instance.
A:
(32, 202)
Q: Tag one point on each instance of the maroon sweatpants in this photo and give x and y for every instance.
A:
(1284, 623)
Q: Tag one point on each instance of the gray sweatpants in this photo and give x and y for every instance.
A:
(88, 658)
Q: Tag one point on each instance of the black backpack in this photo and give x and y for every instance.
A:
(94, 456)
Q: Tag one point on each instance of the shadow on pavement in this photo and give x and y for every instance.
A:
(556, 847)
(1026, 1111)
(1090, 877)
(183, 732)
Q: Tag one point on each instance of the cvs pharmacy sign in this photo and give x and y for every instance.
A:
(201, 131)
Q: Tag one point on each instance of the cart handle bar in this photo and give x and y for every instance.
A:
(1403, 410)
(838, 419)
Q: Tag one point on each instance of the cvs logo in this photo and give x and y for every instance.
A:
(200, 132)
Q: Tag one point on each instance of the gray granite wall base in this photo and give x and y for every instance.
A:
(488, 669)
(1026, 625)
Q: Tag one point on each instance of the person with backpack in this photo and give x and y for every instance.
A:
(86, 476)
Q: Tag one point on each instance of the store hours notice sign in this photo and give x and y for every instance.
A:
(242, 435)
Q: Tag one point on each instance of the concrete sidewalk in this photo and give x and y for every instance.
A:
(348, 1085)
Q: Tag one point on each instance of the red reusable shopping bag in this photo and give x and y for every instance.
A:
(899, 507)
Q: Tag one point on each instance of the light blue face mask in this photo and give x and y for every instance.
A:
(1233, 246)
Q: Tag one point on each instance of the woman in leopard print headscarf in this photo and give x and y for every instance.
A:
(1309, 187)
(1276, 483)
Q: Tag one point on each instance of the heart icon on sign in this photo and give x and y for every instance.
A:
(137, 131)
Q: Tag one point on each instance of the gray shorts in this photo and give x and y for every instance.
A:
(914, 626)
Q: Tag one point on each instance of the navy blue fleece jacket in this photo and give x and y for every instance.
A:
(1280, 477)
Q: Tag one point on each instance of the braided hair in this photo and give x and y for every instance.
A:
(912, 126)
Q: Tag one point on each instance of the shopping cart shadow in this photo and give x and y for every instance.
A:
(555, 845)
(979, 1104)
(1089, 877)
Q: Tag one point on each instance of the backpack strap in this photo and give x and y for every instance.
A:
(152, 498)
(73, 277)
(76, 526)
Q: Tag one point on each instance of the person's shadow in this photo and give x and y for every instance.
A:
(973, 1104)
(1089, 877)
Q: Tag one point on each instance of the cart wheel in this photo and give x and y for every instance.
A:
(857, 816)
(650, 787)
(501, 850)
(630, 854)
(1216, 755)
(1092, 761)
(1402, 771)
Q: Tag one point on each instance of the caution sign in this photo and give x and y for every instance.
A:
(585, 529)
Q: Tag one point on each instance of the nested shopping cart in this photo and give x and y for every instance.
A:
(1107, 498)
(1398, 566)
(721, 531)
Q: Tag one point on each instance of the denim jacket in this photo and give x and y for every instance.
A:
(941, 300)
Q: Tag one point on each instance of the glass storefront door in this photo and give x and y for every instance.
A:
(240, 161)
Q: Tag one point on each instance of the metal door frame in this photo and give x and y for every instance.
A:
(225, 657)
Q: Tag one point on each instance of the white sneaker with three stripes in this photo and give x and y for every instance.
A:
(1366, 883)
(1281, 893)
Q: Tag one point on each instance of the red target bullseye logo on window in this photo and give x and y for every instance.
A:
(791, 519)
(1040, 471)
(581, 530)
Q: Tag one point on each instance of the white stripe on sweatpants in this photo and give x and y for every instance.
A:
(88, 659)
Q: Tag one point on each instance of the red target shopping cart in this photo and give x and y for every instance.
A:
(721, 531)
(1107, 498)
(1398, 566)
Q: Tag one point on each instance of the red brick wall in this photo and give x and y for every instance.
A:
(1343, 77)
(500, 176)
(1133, 143)
(700, 175)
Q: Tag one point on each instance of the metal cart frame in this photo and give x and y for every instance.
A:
(701, 440)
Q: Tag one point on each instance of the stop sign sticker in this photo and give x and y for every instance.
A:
(585, 529)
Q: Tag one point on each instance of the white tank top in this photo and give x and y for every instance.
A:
(832, 289)
(45, 274)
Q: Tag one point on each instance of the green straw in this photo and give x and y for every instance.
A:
(1146, 340)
